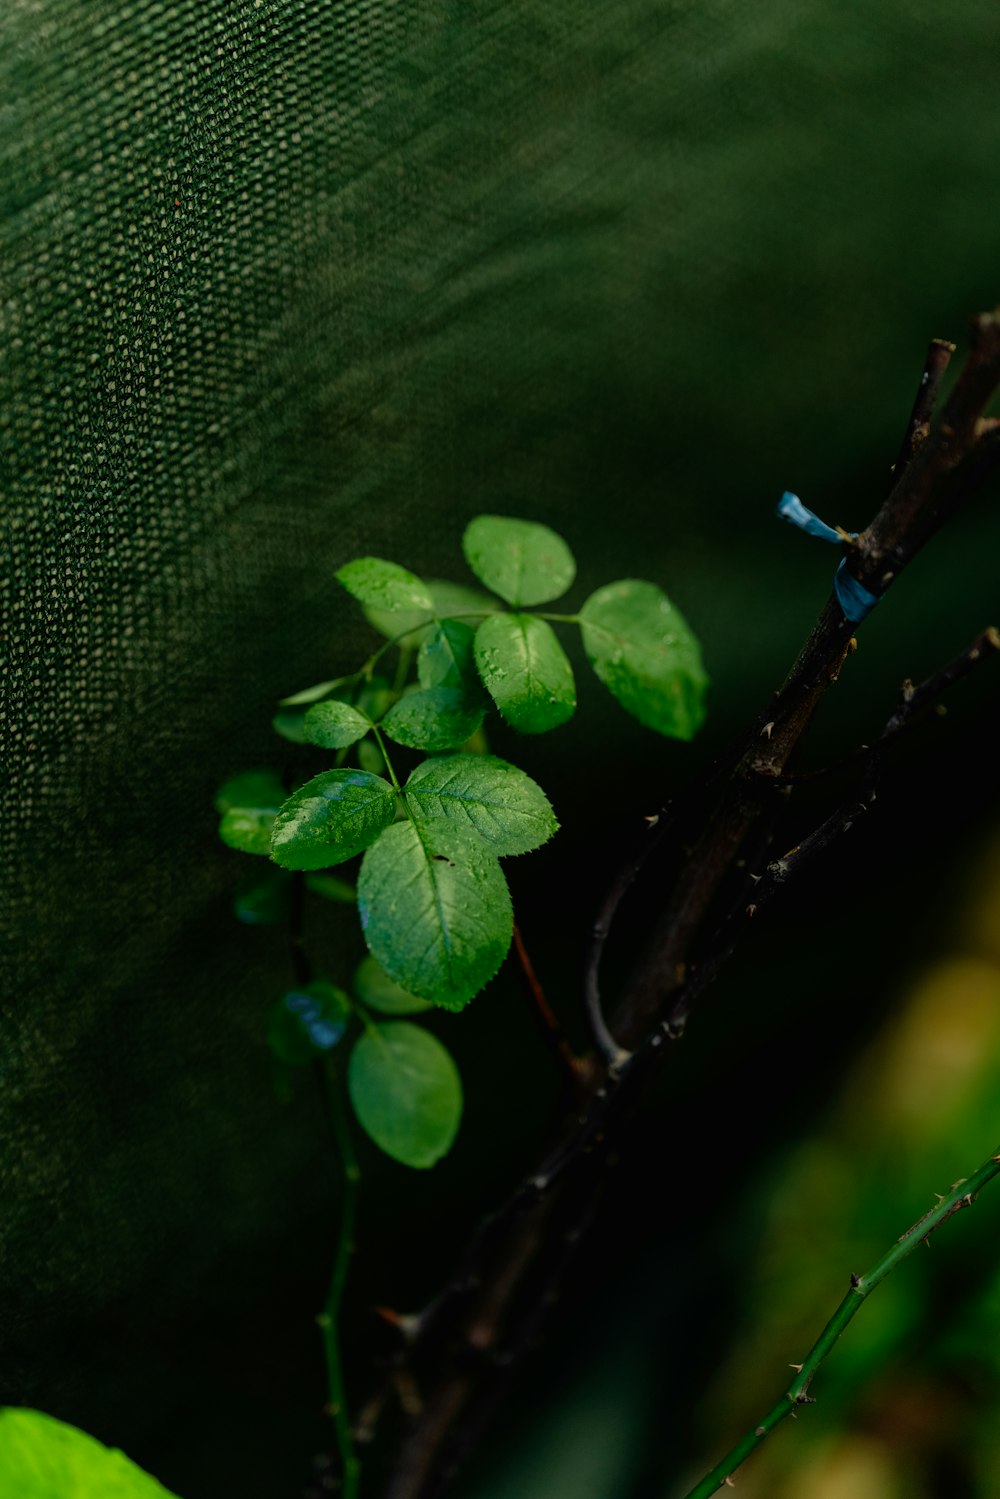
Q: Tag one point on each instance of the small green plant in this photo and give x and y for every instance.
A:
(434, 906)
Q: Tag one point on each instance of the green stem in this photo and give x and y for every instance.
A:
(559, 619)
(380, 737)
(960, 1196)
(329, 1318)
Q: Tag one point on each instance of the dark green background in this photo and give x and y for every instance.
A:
(286, 283)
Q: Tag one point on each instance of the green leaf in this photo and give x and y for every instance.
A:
(435, 911)
(290, 724)
(376, 698)
(448, 599)
(334, 725)
(42, 1458)
(330, 888)
(526, 671)
(447, 658)
(370, 757)
(308, 1021)
(523, 562)
(378, 991)
(485, 796)
(331, 818)
(645, 654)
(252, 788)
(314, 694)
(248, 829)
(406, 1092)
(438, 719)
(264, 902)
(386, 586)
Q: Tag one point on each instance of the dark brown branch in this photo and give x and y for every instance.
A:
(918, 505)
(454, 1341)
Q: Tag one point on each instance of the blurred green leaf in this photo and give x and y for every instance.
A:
(370, 757)
(406, 1092)
(378, 584)
(448, 599)
(42, 1458)
(248, 829)
(307, 1021)
(447, 658)
(251, 788)
(334, 725)
(264, 901)
(375, 988)
(314, 694)
(341, 892)
(290, 724)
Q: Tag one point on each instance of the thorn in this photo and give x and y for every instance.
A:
(797, 1367)
(852, 644)
(729, 1483)
(756, 878)
(939, 1195)
(404, 1322)
(751, 910)
(652, 821)
(388, 1314)
(765, 732)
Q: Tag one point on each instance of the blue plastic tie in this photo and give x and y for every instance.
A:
(852, 596)
(791, 508)
(854, 599)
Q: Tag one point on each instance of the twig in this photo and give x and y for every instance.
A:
(938, 358)
(962, 1195)
(575, 1067)
(657, 827)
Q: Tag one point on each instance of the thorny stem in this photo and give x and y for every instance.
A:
(493, 1267)
(919, 503)
(329, 1319)
(962, 1195)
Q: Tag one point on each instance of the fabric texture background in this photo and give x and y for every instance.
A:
(283, 284)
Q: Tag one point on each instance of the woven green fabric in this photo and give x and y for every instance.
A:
(286, 282)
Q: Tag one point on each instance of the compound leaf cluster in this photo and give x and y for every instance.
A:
(432, 898)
